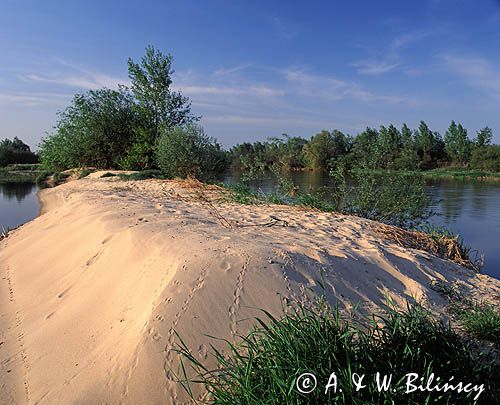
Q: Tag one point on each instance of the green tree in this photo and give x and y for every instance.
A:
(387, 147)
(96, 129)
(408, 157)
(288, 151)
(430, 146)
(188, 151)
(483, 137)
(486, 158)
(457, 145)
(162, 107)
(323, 147)
(15, 151)
(364, 149)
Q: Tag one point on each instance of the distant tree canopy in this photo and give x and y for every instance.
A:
(119, 128)
(15, 151)
(385, 148)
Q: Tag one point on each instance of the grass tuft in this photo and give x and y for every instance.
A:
(264, 367)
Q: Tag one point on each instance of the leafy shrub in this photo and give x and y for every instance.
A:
(188, 151)
(393, 197)
(96, 130)
(486, 158)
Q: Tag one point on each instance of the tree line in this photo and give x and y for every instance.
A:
(148, 125)
(15, 151)
(386, 148)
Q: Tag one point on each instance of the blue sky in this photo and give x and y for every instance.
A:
(255, 69)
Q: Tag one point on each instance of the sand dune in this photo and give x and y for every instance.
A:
(93, 289)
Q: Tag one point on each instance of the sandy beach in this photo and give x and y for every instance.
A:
(93, 289)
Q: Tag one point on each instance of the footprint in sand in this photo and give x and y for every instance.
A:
(203, 351)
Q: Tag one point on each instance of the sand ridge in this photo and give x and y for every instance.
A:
(93, 291)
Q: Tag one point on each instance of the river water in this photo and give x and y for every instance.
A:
(18, 204)
(470, 208)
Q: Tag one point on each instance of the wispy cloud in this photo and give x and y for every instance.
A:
(252, 90)
(32, 99)
(393, 53)
(374, 67)
(89, 82)
(477, 72)
(76, 76)
(410, 37)
(230, 71)
(330, 88)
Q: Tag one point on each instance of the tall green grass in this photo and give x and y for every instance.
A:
(264, 368)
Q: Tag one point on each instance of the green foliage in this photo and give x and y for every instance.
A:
(264, 368)
(188, 151)
(97, 130)
(430, 146)
(119, 129)
(284, 152)
(396, 198)
(142, 175)
(483, 137)
(323, 147)
(461, 173)
(457, 145)
(84, 173)
(481, 321)
(241, 194)
(42, 177)
(486, 158)
(314, 200)
(162, 107)
(407, 158)
(15, 151)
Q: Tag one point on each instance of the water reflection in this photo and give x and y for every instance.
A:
(18, 203)
(16, 190)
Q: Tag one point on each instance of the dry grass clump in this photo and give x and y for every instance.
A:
(441, 244)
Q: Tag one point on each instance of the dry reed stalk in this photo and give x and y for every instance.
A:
(446, 247)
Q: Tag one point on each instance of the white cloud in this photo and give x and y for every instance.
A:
(32, 99)
(329, 88)
(229, 71)
(374, 67)
(249, 90)
(407, 38)
(392, 58)
(88, 82)
(477, 72)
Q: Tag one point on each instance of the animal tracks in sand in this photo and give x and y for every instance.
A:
(19, 335)
(237, 296)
